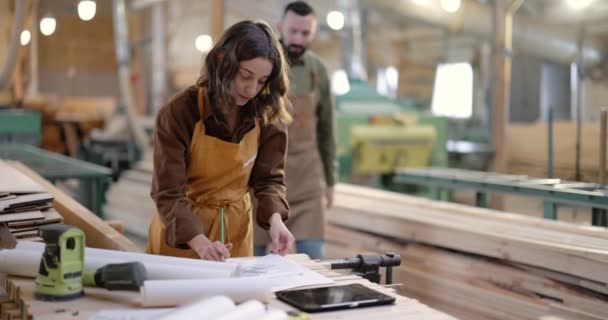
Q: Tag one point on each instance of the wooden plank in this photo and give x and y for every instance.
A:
(48, 216)
(26, 200)
(98, 233)
(577, 254)
(23, 229)
(26, 234)
(21, 216)
(578, 262)
(469, 285)
(33, 239)
(512, 219)
(495, 274)
(14, 181)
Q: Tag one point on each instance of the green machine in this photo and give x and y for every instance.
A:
(380, 149)
(61, 274)
(376, 135)
(61, 268)
(20, 126)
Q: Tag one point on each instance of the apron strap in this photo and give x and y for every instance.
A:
(199, 101)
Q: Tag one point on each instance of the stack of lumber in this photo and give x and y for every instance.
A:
(530, 158)
(98, 233)
(477, 263)
(129, 200)
(24, 204)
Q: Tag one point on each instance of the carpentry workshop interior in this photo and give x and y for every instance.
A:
(159, 159)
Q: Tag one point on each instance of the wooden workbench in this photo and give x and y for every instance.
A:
(21, 303)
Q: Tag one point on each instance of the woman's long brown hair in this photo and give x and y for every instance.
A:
(244, 41)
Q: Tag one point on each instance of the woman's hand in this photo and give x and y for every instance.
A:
(282, 239)
(208, 250)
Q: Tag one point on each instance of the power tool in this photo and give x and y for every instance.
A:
(60, 272)
(128, 276)
(368, 265)
(61, 275)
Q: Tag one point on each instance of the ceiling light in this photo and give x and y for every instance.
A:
(48, 26)
(335, 20)
(86, 10)
(203, 43)
(450, 6)
(25, 37)
(578, 4)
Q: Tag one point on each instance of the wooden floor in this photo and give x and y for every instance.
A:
(21, 304)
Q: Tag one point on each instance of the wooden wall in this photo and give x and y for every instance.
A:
(527, 145)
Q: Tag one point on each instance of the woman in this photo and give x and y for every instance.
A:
(216, 140)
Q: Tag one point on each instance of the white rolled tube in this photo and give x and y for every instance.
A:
(250, 310)
(211, 308)
(125, 256)
(25, 263)
(20, 263)
(169, 293)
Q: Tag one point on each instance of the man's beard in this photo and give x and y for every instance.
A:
(294, 51)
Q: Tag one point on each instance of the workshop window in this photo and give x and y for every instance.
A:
(453, 90)
(387, 81)
(339, 82)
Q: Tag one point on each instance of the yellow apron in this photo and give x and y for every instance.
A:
(218, 177)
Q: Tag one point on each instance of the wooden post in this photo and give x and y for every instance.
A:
(32, 87)
(602, 165)
(503, 52)
(216, 19)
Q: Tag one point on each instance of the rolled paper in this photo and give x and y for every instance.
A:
(276, 315)
(169, 293)
(209, 308)
(20, 263)
(101, 257)
(25, 263)
(250, 310)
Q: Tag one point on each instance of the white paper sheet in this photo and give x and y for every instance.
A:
(129, 314)
(169, 293)
(276, 315)
(280, 272)
(216, 308)
(250, 310)
(210, 308)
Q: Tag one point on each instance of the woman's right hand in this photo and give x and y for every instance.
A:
(208, 250)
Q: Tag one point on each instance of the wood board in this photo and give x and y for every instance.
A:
(14, 181)
(583, 252)
(471, 286)
(48, 216)
(21, 216)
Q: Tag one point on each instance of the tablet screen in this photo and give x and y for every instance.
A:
(331, 298)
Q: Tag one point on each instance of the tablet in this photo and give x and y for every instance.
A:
(334, 298)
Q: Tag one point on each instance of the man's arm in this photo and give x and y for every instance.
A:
(326, 127)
